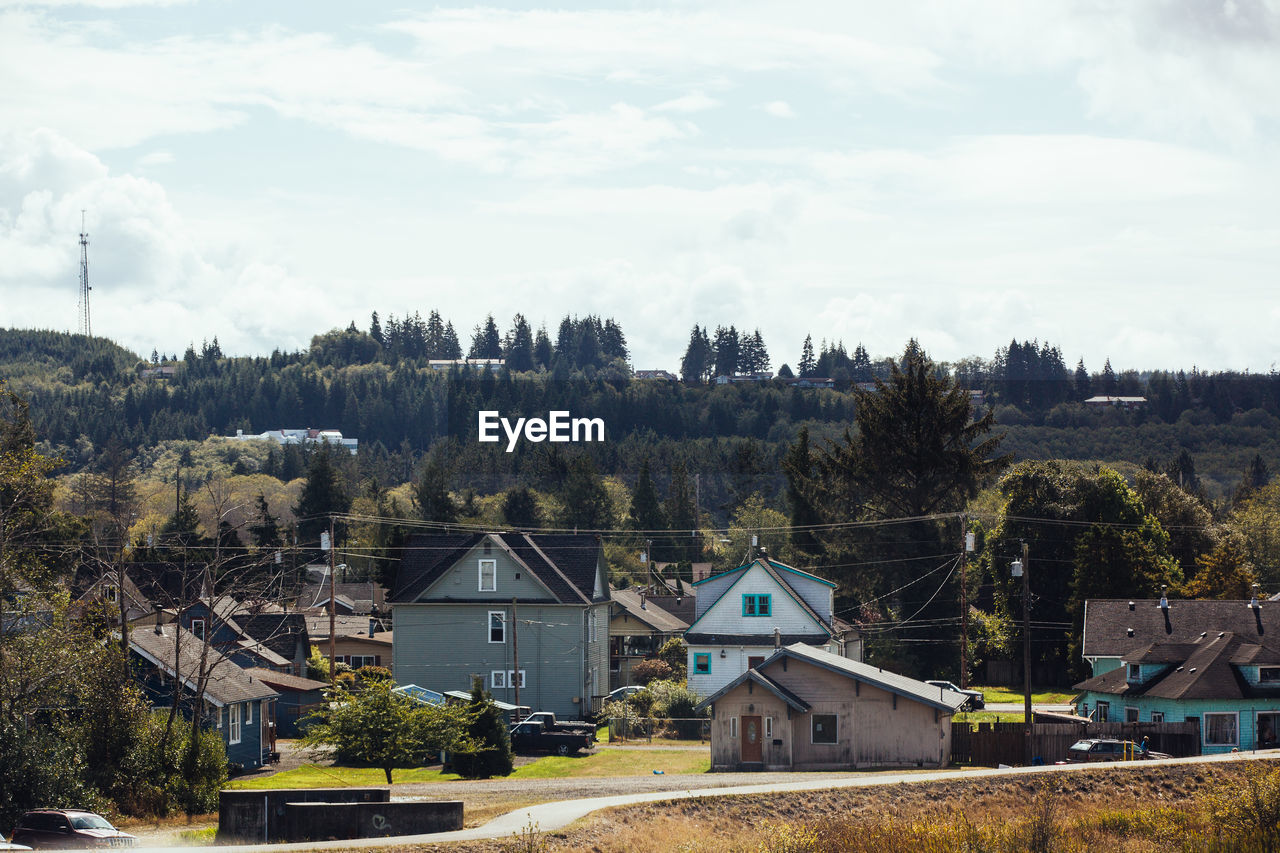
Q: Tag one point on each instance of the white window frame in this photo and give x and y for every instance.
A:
(733, 727)
(768, 728)
(218, 713)
(813, 720)
(502, 621)
(369, 660)
(498, 679)
(593, 626)
(492, 567)
(248, 713)
(1204, 722)
(511, 679)
(1157, 716)
(1102, 712)
(200, 635)
(233, 721)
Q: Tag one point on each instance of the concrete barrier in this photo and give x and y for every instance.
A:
(259, 816)
(336, 821)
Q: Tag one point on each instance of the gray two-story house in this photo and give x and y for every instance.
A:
(525, 612)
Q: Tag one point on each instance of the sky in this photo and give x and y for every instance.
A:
(1100, 175)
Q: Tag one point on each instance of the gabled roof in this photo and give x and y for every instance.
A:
(226, 683)
(344, 626)
(779, 573)
(565, 564)
(284, 680)
(136, 605)
(755, 676)
(280, 632)
(1107, 622)
(1202, 669)
(647, 611)
(935, 697)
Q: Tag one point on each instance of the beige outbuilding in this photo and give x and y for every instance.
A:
(807, 709)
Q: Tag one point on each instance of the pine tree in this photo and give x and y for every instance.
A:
(1082, 382)
(1109, 381)
(433, 336)
(324, 494)
(612, 342)
(697, 361)
(808, 363)
(449, 346)
(375, 329)
(798, 466)
(518, 348)
(646, 509)
(726, 351)
(431, 497)
(488, 731)
(543, 353)
(682, 515)
(520, 509)
(265, 530)
(486, 342)
(585, 501)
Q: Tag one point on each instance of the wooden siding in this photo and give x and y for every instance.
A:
(1181, 710)
(871, 731)
(462, 581)
(819, 596)
(709, 591)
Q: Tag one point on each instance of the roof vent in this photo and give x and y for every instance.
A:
(1204, 634)
(1193, 669)
(1221, 634)
(1254, 601)
(1129, 631)
(1131, 605)
(1179, 669)
(1164, 599)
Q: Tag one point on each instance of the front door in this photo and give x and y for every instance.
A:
(752, 734)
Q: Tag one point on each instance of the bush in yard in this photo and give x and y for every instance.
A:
(673, 701)
(489, 751)
(651, 670)
(675, 654)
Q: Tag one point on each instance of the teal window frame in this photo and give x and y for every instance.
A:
(757, 599)
(702, 663)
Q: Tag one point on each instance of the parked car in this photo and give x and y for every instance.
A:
(548, 722)
(976, 700)
(620, 693)
(64, 828)
(1110, 749)
(5, 845)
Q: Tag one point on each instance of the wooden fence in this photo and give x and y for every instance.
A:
(991, 744)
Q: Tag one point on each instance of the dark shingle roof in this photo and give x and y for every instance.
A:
(226, 684)
(1107, 622)
(285, 681)
(566, 564)
(280, 632)
(1202, 669)
(651, 614)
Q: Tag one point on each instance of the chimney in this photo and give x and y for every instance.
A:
(1253, 603)
(1164, 598)
(777, 637)
(373, 624)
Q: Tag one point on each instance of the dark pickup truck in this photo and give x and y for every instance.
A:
(547, 720)
(532, 736)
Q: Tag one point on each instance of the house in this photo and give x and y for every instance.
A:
(215, 620)
(357, 640)
(114, 589)
(299, 696)
(738, 378)
(354, 598)
(285, 437)
(804, 708)
(493, 365)
(527, 612)
(169, 662)
(811, 382)
(1102, 402)
(745, 614)
(666, 375)
(284, 634)
(638, 627)
(1208, 662)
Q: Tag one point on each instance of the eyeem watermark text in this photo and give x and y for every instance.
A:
(558, 427)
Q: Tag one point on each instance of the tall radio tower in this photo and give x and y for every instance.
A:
(85, 328)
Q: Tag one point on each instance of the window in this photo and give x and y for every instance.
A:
(497, 626)
(1269, 674)
(824, 728)
(218, 713)
(488, 575)
(1104, 712)
(1135, 672)
(498, 679)
(357, 661)
(593, 627)
(1221, 729)
(756, 605)
(702, 663)
(511, 678)
(1131, 715)
(733, 727)
(768, 728)
(248, 712)
(197, 628)
(234, 710)
(1157, 716)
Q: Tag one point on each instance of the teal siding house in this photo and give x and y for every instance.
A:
(527, 613)
(1209, 662)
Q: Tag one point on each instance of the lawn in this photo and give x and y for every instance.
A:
(601, 763)
(1039, 696)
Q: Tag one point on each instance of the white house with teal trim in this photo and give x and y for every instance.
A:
(744, 615)
(1211, 662)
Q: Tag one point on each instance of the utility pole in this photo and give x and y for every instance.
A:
(964, 602)
(333, 609)
(515, 651)
(1020, 567)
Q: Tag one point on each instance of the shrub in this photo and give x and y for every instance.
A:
(675, 654)
(651, 670)
(1248, 812)
(489, 751)
(672, 700)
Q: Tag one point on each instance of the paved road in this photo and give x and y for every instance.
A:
(553, 816)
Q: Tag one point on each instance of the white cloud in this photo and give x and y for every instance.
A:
(694, 102)
(778, 109)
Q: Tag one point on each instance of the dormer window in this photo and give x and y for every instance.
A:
(488, 575)
(1135, 672)
(1269, 674)
(197, 628)
(756, 605)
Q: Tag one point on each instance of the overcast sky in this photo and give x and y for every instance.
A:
(1103, 175)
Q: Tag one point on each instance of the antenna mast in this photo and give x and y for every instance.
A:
(85, 328)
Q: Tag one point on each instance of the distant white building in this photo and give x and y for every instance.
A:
(493, 365)
(1118, 402)
(302, 436)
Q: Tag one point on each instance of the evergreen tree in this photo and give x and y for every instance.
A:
(491, 754)
(1182, 471)
(613, 344)
(375, 329)
(323, 494)
(808, 363)
(434, 337)
(1082, 382)
(585, 501)
(431, 498)
(726, 349)
(798, 466)
(542, 350)
(520, 508)
(646, 508)
(587, 344)
(860, 367)
(265, 529)
(1256, 476)
(449, 346)
(518, 347)
(682, 516)
(1110, 384)
(697, 362)
(566, 338)
(486, 342)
